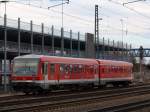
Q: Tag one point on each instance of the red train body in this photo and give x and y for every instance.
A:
(39, 72)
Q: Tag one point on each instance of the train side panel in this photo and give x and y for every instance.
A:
(115, 72)
(65, 71)
(39, 72)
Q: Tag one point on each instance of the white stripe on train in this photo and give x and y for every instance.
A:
(75, 80)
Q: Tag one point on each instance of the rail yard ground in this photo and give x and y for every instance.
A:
(103, 100)
(141, 78)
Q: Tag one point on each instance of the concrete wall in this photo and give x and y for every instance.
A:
(89, 46)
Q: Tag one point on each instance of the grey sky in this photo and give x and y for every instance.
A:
(79, 16)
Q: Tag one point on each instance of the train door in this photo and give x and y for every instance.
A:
(45, 74)
(53, 72)
(57, 73)
(101, 74)
(96, 71)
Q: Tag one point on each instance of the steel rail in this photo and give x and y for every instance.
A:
(59, 96)
(72, 101)
(125, 107)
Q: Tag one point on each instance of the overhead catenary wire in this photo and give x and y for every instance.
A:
(69, 15)
(133, 1)
(131, 9)
(77, 17)
(130, 24)
(85, 21)
(91, 22)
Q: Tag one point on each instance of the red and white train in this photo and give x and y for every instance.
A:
(35, 73)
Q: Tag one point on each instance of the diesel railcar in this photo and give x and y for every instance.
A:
(36, 73)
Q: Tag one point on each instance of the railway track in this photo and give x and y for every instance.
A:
(125, 107)
(64, 95)
(59, 101)
(54, 93)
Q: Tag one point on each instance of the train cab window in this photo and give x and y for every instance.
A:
(52, 69)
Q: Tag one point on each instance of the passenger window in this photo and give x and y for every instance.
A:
(113, 69)
(75, 68)
(109, 69)
(92, 69)
(84, 68)
(95, 69)
(103, 70)
(52, 69)
(124, 69)
(62, 69)
(67, 69)
(87, 69)
(71, 69)
(80, 68)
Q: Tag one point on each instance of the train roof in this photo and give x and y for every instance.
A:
(74, 60)
(42, 56)
(113, 62)
(56, 59)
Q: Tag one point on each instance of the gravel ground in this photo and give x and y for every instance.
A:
(146, 109)
(144, 77)
(93, 106)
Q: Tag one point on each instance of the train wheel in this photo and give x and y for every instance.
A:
(74, 88)
(101, 86)
(115, 84)
(26, 92)
(40, 91)
(45, 92)
(125, 84)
